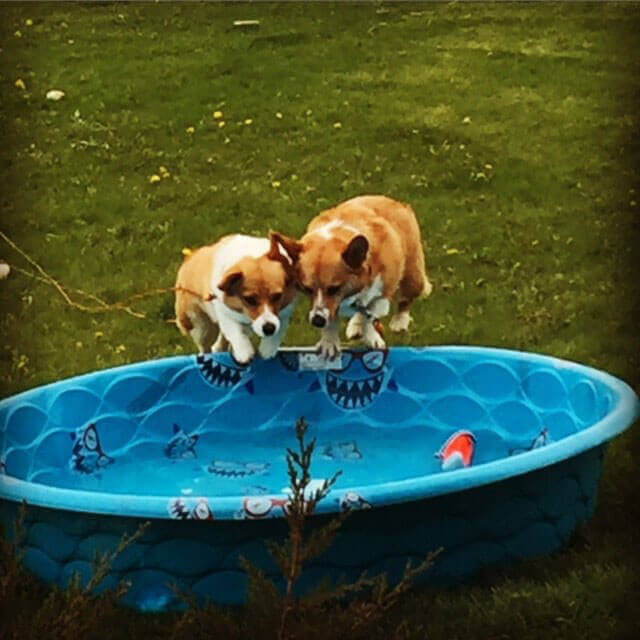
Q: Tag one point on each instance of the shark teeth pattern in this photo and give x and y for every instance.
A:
(353, 394)
(218, 375)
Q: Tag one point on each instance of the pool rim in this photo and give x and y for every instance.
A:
(624, 412)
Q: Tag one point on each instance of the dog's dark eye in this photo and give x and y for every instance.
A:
(252, 301)
(333, 290)
(276, 297)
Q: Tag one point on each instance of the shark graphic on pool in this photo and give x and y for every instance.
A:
(353, 381)
(181, 445)
(221, 370)
(87, 455)
(190, 509)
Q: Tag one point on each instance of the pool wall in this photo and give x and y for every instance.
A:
(530, 515)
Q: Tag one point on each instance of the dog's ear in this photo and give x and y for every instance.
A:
(279, 243)
(231, 283)
(354, 255)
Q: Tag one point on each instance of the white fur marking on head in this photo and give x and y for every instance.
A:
(231, 252)
(326, 229)
(318, 308)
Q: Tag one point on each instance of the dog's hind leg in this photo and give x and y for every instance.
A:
(200, 328)
(221, 344)
(203, 334)
(414, 285)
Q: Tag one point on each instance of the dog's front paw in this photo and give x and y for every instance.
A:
(355, 328)
(268, 348)
(328, 347)
(372, 338)
(243, 353)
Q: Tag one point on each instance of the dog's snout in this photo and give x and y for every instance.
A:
(268, 328)
(318, 321)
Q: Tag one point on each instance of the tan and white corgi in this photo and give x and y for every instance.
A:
(228, 289)
(353, 260)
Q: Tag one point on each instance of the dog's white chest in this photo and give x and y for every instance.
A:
(219, 308)
(363, 298)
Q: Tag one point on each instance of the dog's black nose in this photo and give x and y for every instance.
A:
(268, 328)
(318, 321)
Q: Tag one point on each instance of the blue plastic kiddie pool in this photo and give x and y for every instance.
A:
(494, 455)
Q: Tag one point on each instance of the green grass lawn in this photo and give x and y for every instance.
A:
(512, 129)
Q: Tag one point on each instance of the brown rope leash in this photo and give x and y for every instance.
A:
(103, 306)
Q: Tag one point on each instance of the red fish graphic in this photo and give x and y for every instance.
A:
(457, 452)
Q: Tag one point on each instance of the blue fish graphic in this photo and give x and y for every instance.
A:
(541, 440)
(181, 446)
(342, 451)
(87, 455)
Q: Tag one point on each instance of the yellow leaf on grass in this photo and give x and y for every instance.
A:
(452, 251)
(186, 251)
(154, 178)
(217, 115)
(190, 130)
(20, 84)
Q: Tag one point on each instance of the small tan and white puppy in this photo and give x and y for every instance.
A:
(353, 260)
(228, 289)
